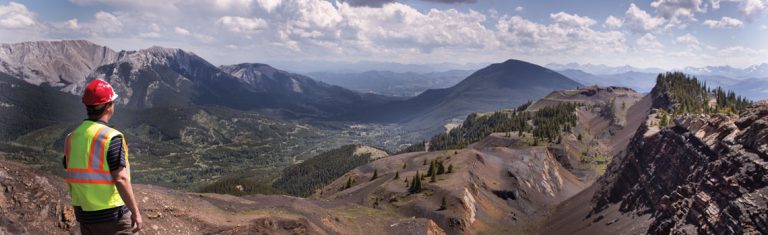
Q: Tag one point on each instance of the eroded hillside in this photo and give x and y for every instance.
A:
(34, 202)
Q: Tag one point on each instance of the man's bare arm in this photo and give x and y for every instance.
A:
(123, 184)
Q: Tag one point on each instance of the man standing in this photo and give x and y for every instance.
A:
(98, 171)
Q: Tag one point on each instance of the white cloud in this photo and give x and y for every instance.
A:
(242, 24)
(612, 22)
(181, 31)
(572, 20)
(106, 22)
(199, 36)
(739, 51)
(15, 16)
(677, 10)
(751, 9)
(639, 21)
(715, 4)
(725, 22)
(692, 43)
(150, 35)
(133, 4)
(524, 36)
(154, 27)
(261, 30)
(649, 42)
(688, 39)
(269, 5)
(72, 24)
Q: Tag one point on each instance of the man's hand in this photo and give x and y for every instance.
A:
(136, 222)
(123, 184)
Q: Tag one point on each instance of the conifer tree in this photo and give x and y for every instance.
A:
(375, 174)
(416, 184)
(349, 183)
(397, 175)
(450, 168)
(443, 204)
(440, 168)
(431, 168)
(433, 178)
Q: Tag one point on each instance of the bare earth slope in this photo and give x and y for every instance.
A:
(492, 190)
(34, 202)
(607, 121)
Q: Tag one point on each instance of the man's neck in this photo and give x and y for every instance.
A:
(104, 119)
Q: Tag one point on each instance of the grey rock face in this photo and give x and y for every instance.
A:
(64, 64)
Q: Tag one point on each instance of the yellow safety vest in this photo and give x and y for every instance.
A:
(90, 181)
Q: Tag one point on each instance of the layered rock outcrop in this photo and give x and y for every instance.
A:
(706, 174)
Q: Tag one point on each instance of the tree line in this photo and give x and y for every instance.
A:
(546, 124)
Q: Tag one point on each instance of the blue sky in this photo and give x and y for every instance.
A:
(660, 33)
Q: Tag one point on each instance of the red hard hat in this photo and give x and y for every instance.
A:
(98, 92)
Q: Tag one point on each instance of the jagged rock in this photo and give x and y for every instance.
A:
(707, 174)
(33, 203)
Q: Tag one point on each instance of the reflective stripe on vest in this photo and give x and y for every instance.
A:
(89, 179)
(94, 174)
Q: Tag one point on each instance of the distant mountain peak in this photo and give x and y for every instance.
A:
(56, 63)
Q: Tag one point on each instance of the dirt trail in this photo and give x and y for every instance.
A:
(32, 201)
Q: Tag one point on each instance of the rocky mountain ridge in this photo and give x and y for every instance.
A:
(63, 64)
(699, 174)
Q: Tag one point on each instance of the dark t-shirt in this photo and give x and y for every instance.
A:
(115, 160)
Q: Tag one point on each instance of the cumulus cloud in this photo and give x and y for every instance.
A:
(242, 24)
(106, 22)
(452, 1)
(72, 24)
(612, 22)
(691, 42)
(649, 42)
(572, 20)
(15, 16)
(133, 4)
(688, 38)
(181, 31)
(379, 3)
(573, 38)
(639, 21)
(751, 9)
(677, 10)
(269, 5)
(725, 22)
(715, 4)
(387, 30)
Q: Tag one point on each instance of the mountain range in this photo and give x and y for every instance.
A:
(751, 87)
(752, 71)
(698, 173)
(497, 86)
(536, 152)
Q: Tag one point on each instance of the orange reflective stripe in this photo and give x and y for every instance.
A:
(89, 181)
(93, 146)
